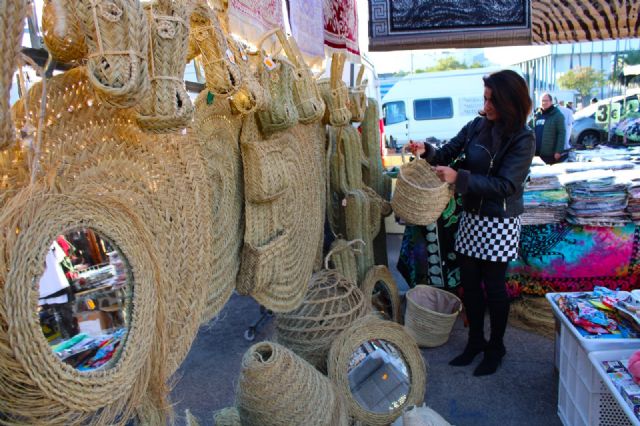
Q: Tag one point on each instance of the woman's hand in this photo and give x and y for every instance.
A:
(446, 174)
(416, 148)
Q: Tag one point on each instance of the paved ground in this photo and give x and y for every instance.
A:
(523, 392)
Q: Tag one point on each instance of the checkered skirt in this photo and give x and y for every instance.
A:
(488, 238)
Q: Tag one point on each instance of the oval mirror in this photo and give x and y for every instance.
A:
(378, 376)
(84, 299)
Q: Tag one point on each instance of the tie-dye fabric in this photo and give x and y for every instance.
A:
(561, 257)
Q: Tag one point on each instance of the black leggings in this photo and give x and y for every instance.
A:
(474, 272)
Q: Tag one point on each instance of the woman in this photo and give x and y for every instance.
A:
(492, 155)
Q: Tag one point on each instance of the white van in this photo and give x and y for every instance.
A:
(434, 104)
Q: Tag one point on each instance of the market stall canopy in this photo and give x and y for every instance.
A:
(421, 24)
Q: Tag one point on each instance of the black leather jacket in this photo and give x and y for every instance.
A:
(492, 167)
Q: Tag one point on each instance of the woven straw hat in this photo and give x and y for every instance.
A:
(116, 35)
(362, 330)
(167, 107)
(61, 31)
(278, 388)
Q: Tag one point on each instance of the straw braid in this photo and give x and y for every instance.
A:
(61, 31)
(251, 96)
(344, 258)
(36, 387)
(167, 108)
(372, 173)
(380, 274)
(357, 214)
(372, 328)
(12, 14)
(278, 388)
(207, 39)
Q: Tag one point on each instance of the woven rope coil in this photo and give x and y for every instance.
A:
(331, 305)
(116, 35)
(35, 386)
(306, 93)
(61, 31)
(420, 196)
(282, 235)
(167, 107)
(278, 388)
(335, 94)
(362, 330)
(358, 97)
(380, 275)
(227, 417)
(223, 76)
(12, 14)
(430, 314)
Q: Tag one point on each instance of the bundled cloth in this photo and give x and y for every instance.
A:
(633, 203)
(545, 199)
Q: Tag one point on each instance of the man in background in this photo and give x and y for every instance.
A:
(548, 124)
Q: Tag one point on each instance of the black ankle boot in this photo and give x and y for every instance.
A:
(468, 355)
(490, 363)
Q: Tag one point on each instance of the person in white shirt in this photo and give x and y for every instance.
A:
(568, 123)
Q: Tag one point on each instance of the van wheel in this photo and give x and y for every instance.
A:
(589, 138)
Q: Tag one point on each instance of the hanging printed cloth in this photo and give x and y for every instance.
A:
(305, 17)
(341, 27)
(250, 19)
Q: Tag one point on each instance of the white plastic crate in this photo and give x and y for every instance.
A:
(615, 355)
(583, 398)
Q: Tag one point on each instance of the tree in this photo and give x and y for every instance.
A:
(583, 79)
(448, 63)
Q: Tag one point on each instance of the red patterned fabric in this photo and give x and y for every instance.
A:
(250, 19)
(341, 26)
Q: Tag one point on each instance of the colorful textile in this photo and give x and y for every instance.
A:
(250, 19)
(341, 27)
(560, 257)
(427, 255)
(306, 27)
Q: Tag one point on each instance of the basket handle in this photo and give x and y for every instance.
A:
(360, 76)
(266, 36)
(337, 249)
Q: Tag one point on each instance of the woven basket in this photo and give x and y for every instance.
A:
(358, 98)
(306, 94)
(335, 94)
(61, 31)
(278, 388)
(362, 330)
(420, 196)
(167, 108)
(380, 274)
(331, 305)
(430, 315)
(207, 39)
(251, 96)
(116, 34)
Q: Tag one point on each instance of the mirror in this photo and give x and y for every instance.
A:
(378, 376)
(84, 301)
(381, 301)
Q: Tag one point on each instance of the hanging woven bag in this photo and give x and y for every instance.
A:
(335, 93)
(167, 108)
(116, 34)
(358, 97)
(420, 196)
(61, 31)
(251, 96)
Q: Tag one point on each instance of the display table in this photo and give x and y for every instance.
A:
(560, 257)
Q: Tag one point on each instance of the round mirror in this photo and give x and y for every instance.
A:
(378, 376)
(381, 301)
(85, 299)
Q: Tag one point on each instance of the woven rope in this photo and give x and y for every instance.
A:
(12, 14)
(420, 196)
(251, 96)
(190, 419)
(372, 172)
(61, 31)
(227, 417)
(282, 235)
(335, 94)
(116, 35)
(344, 258)
(278, 388)
(357, 217)
(424, 318)
(331, 305)
(35, 386)
(380, 274)
(358, 97)
(167, 107)
(533, 314)
(361, 331)
(223, 77)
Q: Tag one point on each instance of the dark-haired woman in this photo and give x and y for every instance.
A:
(492, 155)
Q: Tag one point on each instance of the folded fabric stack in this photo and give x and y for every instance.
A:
(596, 198)
(604, 154)
(633, 205)
(545, 200)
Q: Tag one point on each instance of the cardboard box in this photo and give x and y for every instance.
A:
(93, 322)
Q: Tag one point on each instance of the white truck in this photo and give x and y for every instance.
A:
(434, 104)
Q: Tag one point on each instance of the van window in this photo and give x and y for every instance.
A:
(432, 109)
(394, 112)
